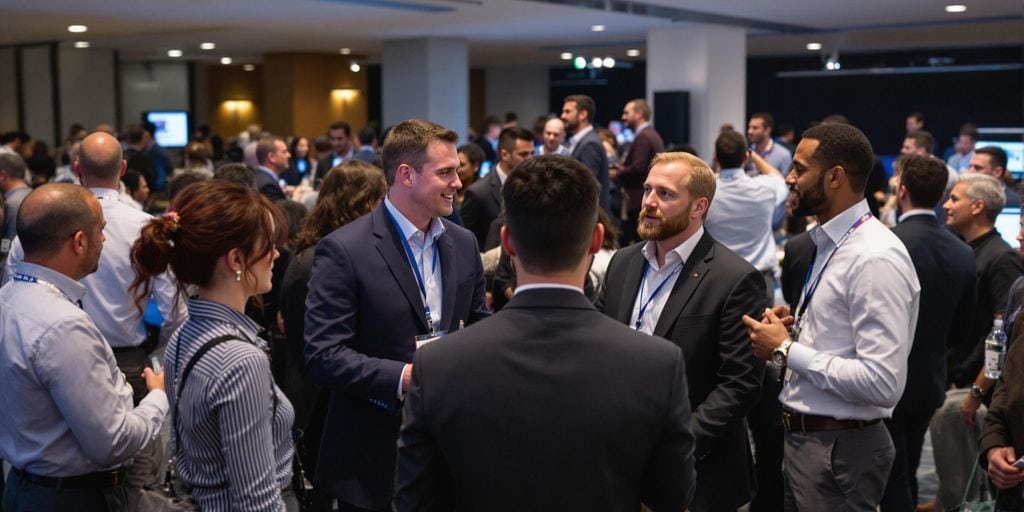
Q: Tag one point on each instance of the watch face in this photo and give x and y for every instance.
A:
(778, 358)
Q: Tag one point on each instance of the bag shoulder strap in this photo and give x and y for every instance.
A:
(184, 377)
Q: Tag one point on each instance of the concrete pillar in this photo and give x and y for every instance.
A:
(426, 78)
(708, 61)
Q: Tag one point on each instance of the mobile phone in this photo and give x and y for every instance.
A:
(1019, 464)
(155, 363)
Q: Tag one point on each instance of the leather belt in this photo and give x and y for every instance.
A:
(793, 421)
(97, 480)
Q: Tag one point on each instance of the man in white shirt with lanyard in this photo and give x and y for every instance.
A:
(845, 361)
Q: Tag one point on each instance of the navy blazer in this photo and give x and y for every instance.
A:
(590, 152)
(363, 311)
(481, 205)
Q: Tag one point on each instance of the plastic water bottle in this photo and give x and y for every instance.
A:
(995, 350)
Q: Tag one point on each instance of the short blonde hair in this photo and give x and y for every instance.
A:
(701, 181)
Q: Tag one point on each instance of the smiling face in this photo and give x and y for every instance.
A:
(435, 183)
(757, 132)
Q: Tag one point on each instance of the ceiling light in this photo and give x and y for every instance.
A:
(633, 53)
(355, 67)
(225, 60)
(77, 29)
(956, 8)
(81, 44)
(579, 62)
(345, 51)
(566, 56)
(249, 67)
(207, 46)
(608, 62)
(597, 28)
(813, 46)
(174, 54)
(596, 62)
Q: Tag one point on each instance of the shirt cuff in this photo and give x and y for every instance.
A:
(401, 376)
(157, 398)
(799, 357)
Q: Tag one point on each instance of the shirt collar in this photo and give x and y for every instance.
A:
(914, 213)
(198, 308)
(537, 286)
(408, 229)
(72, 289)
(642, 127)
(732, 174)
(105, 193)
(502, 175)
(837, 226)
(682, 251)
(268, 171)
(977, 242)
(578, 136)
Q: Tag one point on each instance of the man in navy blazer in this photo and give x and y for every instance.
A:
(380, 286)
(578, 113)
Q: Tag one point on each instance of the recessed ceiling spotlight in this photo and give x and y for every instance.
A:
(596, 62)
(249, 67)
(174, 54)
(345, 51)
(956, 8)
(633, 53)
(81, 44)
(77, 29)
(813, 46)
(608, 62)
(207, 46)
(566, 56)
(225, 60)
(355, 67)
(597, 28)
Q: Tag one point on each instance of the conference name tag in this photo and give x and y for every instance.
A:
(423, 339)
(5, 245)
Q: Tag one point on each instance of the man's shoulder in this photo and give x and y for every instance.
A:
(729, 262)
(353, 232)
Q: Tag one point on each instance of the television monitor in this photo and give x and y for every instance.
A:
(171, 127)
(1014, 154)
(1008, 225)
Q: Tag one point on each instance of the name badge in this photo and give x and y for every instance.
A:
(5, 245)
(423, 339)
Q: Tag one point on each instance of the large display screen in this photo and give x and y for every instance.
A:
(171, 127)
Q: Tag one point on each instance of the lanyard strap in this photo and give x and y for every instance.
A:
(416, 266)
(645, 304)
(808, 291)
(25, 278)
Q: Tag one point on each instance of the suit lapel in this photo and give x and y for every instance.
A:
(447, 248)
(496, 189)
(631, 286)
(390, 248)
(690, 277)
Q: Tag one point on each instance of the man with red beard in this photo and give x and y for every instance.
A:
(686, 287)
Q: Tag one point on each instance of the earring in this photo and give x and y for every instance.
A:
(238, 276)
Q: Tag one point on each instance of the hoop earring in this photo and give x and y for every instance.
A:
(238, 276)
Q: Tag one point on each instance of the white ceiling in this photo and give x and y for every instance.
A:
(499, 32)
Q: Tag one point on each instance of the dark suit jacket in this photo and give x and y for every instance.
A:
(324, 165)
(945, 268)
(703, 317)
(362, 312)
(590, 152)
(547, 405)
(490, 155)
(799, 252)
(481, 205)
(367, 155)
(268, 186)
(635, 166)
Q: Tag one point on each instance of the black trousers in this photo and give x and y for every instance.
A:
(907, 430)
(23, 495)
(765, 421)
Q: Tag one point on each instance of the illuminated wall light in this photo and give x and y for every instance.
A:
(345, 51)
(237, 105)
(249, 67)
(566, 56)
(813, 46)
(174, 54)
(354, 67)
(82, 44)
(633, 53)
(597, 28)
(596, 62)
(579, 62)
(344, 94)
(956, 8)
(207, 46)
(225, 60)
(77, 29)
(608, 62)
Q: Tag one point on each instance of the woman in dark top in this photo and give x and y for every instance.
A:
(231, 430)
(349, 191)
(301, 163)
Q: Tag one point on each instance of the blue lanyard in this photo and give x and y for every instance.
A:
(416, 266)
(808, 291)
(25, 278)
(643, 282)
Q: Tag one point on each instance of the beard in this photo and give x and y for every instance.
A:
(665, 228)
(810, 201)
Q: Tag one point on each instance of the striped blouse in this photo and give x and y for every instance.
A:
(233, 456)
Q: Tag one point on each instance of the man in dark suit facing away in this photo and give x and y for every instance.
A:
(547, 405)
(945, 268)
(380, 284)
(684, 286)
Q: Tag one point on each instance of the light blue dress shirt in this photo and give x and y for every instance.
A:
(740, 217)
(67, 408)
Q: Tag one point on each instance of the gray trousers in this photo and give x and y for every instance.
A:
(837, 470)
(955, 447)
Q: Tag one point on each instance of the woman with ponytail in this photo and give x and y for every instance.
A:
(231, 425)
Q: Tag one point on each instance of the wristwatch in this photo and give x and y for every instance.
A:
(781, 353)
(976, 391)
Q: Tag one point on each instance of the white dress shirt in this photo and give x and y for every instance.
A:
(850, 361)
(740, 217)
(108, 302)
(578, 136)
(654, 276)
(426, 259)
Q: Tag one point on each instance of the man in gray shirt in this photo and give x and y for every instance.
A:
(15, 188)
(69, 425)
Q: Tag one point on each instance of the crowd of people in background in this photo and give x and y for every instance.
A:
(292, 287)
